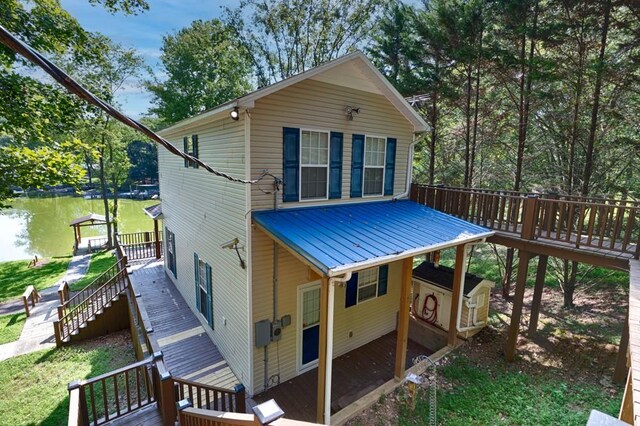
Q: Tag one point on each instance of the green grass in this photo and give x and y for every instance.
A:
(100, 262)
(11, 326)
(34, 386)
(502, 395)
(16, 275)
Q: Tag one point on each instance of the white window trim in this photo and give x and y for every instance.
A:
(201, 287)
(364, 165)
(328, 166)
(301, 368)
(377, 284)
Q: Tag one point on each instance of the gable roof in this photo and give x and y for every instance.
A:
(93, 218)
(355, 62)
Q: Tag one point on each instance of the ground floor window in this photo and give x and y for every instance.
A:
(366, 285)
(171, 251)
(203, 288)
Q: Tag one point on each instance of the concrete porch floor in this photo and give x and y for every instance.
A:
(355, 374)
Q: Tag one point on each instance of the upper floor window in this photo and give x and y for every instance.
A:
(374, 162)
(191, 147)
(314, 165)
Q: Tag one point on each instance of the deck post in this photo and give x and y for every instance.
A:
(168, 398)
(402, 335)
(518, 301)
(156, 236)
(458, 285)
(621, 371)
(537, 294)
(322, 351)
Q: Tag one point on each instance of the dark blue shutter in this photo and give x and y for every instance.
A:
(196, 274)
(352, 291)
(390, 165)
(175, 258)
(185, 142)
(196, 149)
(335, 165)
(383, 277)
(291, 163)
(210, 295)
(357, 165)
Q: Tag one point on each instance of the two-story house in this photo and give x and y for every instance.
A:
(313, 258)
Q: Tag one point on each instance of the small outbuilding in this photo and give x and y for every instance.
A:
(91, 219)
(432, 297)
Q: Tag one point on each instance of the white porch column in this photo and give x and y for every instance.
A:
(327, 390)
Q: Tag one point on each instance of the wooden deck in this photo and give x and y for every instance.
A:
(188, 351)
(354, 375)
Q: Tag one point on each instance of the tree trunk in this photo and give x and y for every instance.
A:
(576, 116)
(474, 141)
(570, 274)
(467, 135)
(105, 200)
(588, 165)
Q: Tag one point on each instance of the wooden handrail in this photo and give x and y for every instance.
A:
(82, 295)
(138, 245)
(63, 293)
(612, 225)
(211, 397)
(30, 295)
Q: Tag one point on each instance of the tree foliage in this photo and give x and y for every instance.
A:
(205, 67)
(284, 38)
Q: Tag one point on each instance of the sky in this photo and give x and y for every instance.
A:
(143, 32)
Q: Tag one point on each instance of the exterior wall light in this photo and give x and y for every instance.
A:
(235, 114)
(350, 110)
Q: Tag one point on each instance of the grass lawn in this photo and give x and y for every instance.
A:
(16, 275)
(502, 394)
(11, 327)
(34, 386)
(100, 262)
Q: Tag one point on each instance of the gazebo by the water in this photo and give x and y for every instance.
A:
(88, 220)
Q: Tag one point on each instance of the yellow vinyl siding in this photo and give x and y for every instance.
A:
(204, 211)
(317, 105)
(366, 321)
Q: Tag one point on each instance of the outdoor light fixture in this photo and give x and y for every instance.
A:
(268, 412)
(233, 245)
(235, 114)
(349, 110)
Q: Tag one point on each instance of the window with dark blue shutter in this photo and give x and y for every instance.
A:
(335, 165)
(195, 152)
(196, 270)
(383, 276)
(352, 291)
(210, 294)
(390, 165)
(357, 163)
(291, 163)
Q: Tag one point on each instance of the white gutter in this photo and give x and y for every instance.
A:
(412, 146)
(352, 267)
(329, 356)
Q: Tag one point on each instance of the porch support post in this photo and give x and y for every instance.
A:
(621, 371)
(456, 299)
(402, 334)
(156, 236)
(518, 301)
(537, 294)
(322, 351)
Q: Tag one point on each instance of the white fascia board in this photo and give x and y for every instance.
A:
(383, 260)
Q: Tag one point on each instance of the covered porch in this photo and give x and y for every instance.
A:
(339, 243)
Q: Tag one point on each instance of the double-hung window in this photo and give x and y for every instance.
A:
(202, 284)
(191, 147)
(203, 288)
(171, 251)
(374, 162)
(367, 284)
(314, 165)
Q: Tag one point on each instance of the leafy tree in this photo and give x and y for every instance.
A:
(284, 38)
(144, 160)
(205, 67)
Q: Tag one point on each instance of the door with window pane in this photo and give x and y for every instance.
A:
(309, 326)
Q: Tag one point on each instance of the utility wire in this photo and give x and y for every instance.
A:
(23, 49)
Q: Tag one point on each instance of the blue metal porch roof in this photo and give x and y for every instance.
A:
(345, 237)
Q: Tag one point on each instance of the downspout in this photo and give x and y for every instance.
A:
(412, 146)
(329, 357)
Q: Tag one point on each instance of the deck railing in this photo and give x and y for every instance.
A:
(85, 305)
(69, 302)
(139, 245)
(112, 395)
(210, 397)
(590, 222)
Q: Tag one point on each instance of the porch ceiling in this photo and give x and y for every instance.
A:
(347, 237)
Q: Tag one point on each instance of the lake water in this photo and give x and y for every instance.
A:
(40, 226)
